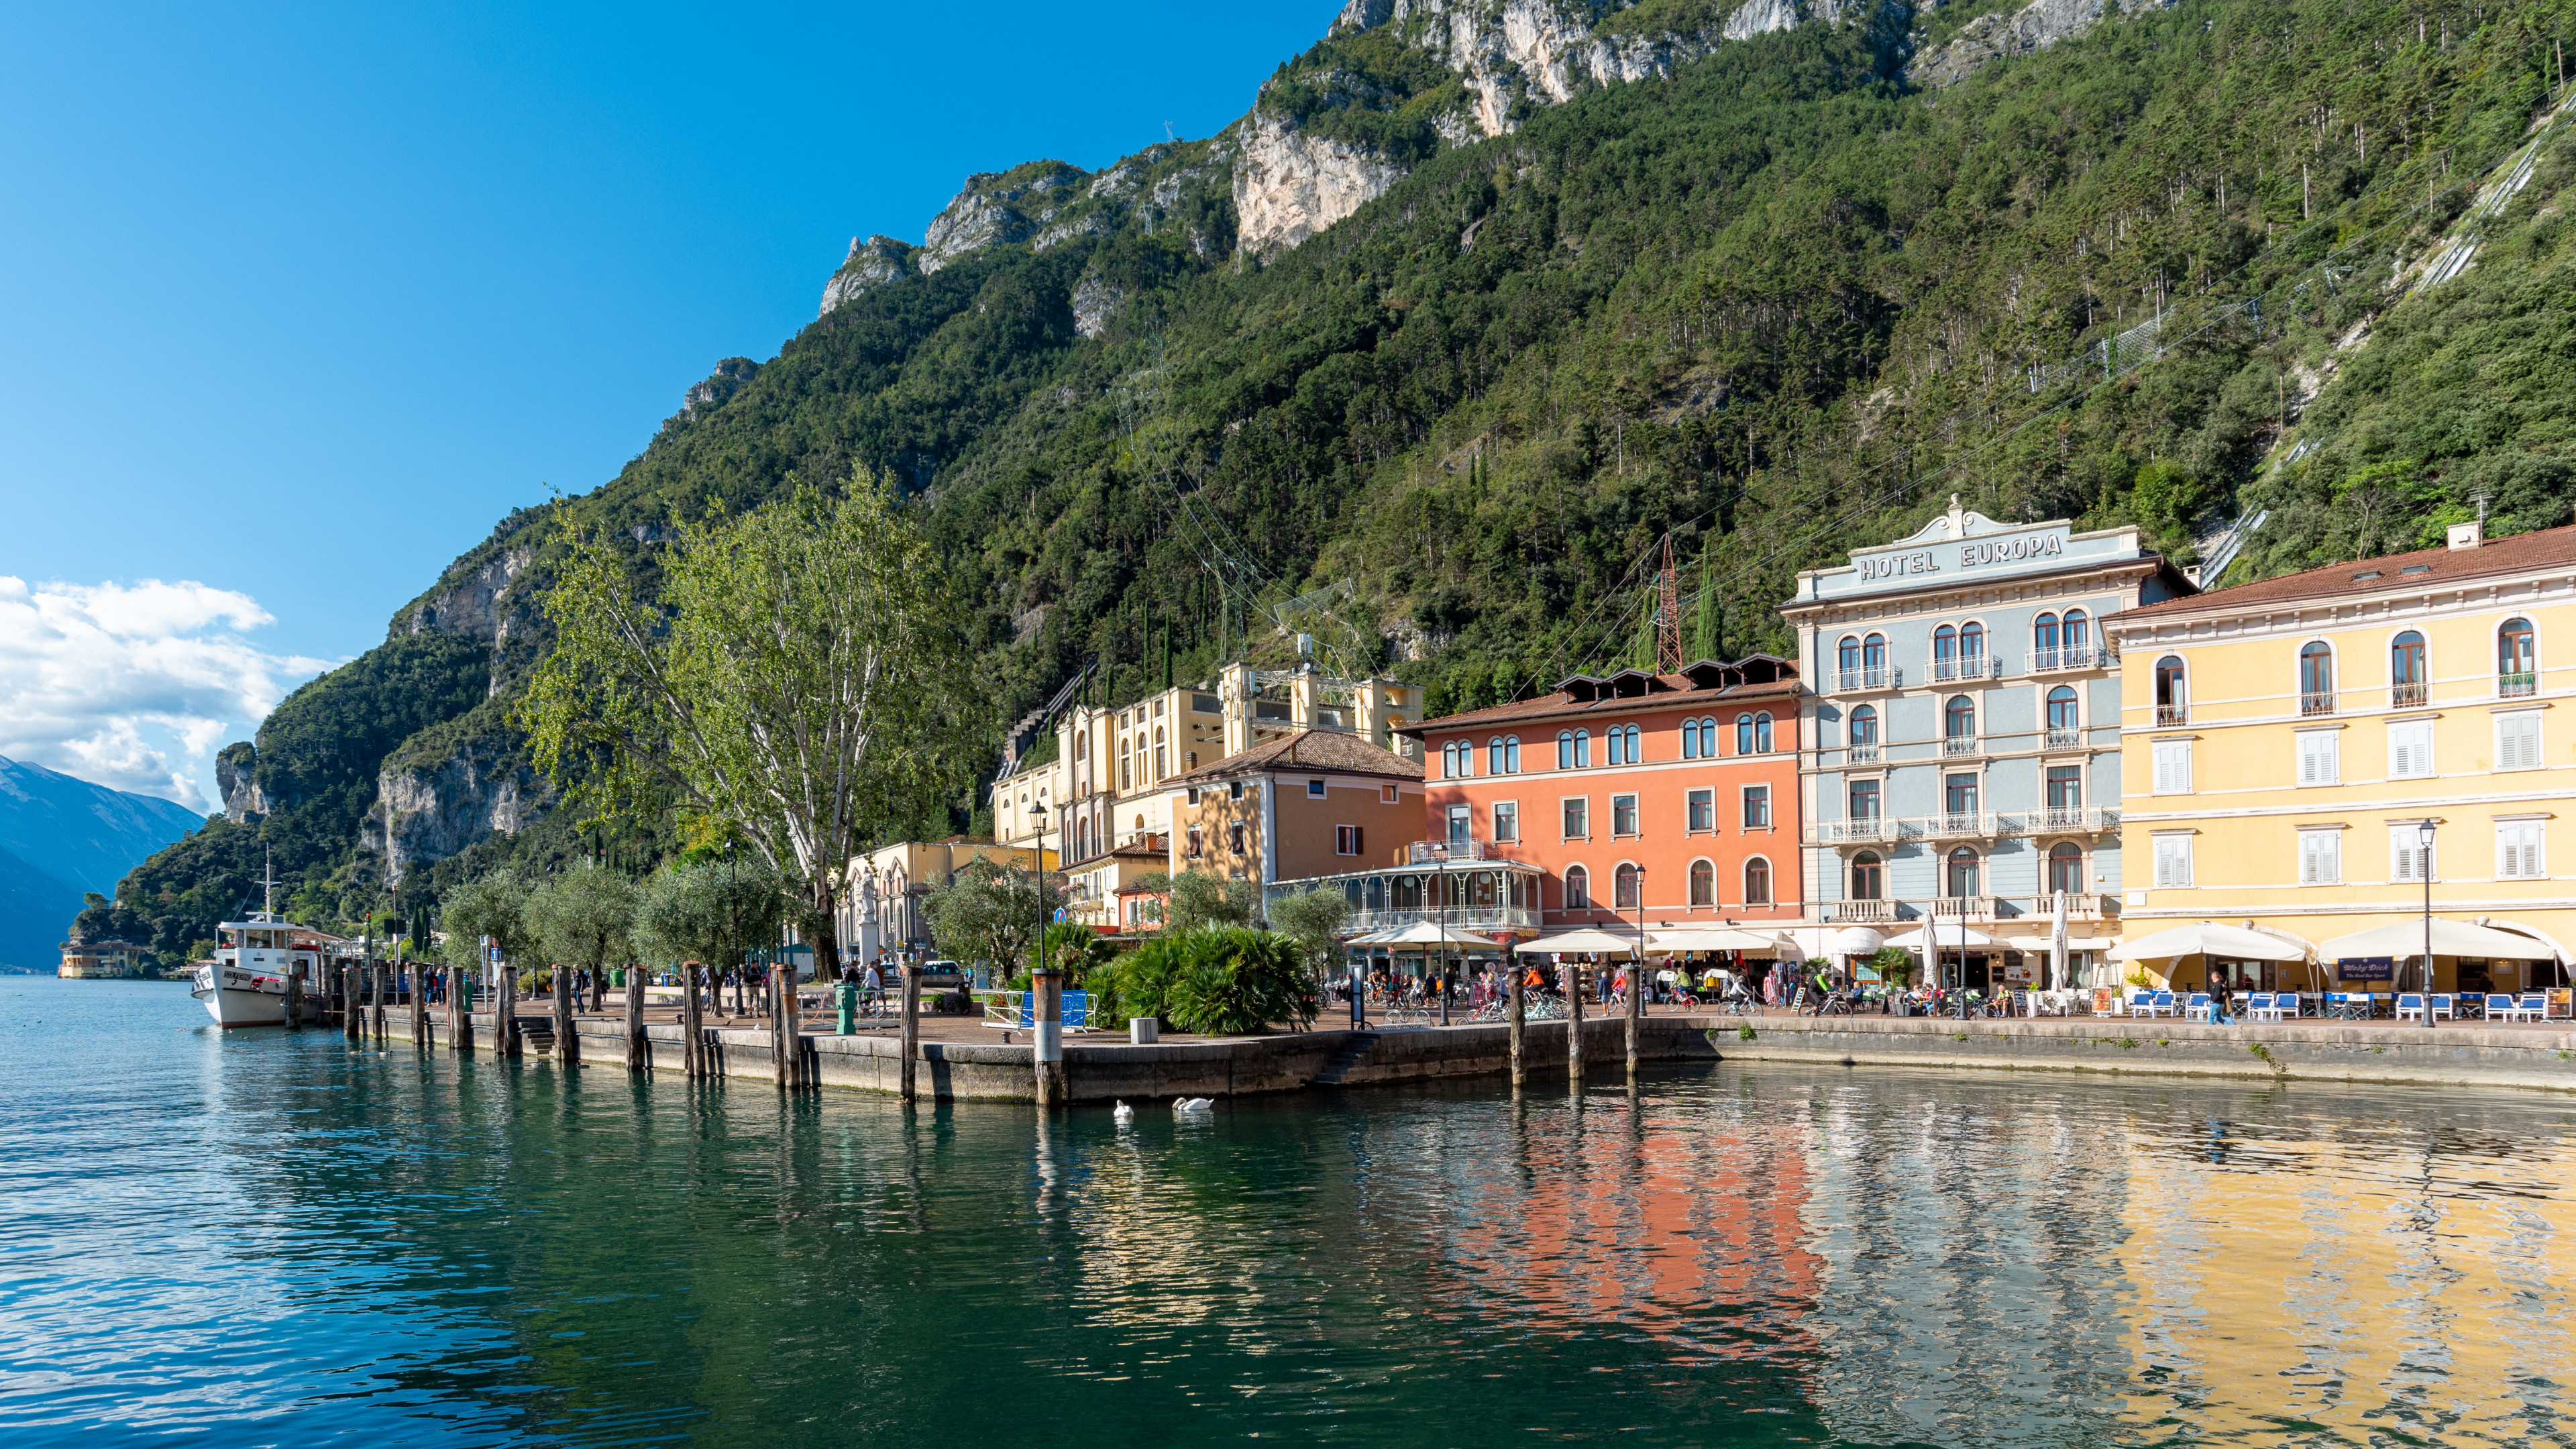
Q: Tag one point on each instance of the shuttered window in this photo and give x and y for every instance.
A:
(2410, 750)
(2517, 742)
(2518, 850)
(2320, 857)
(2409, 859)
(2173, 860)
(2320, 761)
(2173, 767)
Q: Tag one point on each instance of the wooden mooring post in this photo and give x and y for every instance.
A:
(1636, 1013)
(911, 1024)
(1519, 1018)
(639, 1051)
(294, 1000)
(1046, 1050)
(505, 1012)
(460, 1011)
(353, 1010)
(416, 979)
(782, 1025)
(1574, 1028)
(693, 1022)
(382, 990)
(567, 1045)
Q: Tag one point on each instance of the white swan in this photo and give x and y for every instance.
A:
(1124, 1113)
(1193, 1104)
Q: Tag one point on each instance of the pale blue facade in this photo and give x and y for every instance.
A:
(1963, 731)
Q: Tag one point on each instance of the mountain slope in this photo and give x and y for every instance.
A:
(61, 836)
(33, 908)
(1481, 299)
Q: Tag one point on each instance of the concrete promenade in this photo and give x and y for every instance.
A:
(960, 1058)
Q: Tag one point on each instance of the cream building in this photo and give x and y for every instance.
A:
(2285, 743)
(1109, 780)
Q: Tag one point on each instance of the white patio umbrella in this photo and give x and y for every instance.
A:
(1945, 935)
(2450, 938)
(1585, 940)
(1432, 933)
(1711, 938)
(2208, 938)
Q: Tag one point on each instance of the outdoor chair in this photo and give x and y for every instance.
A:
(2410, 1005)
(2499, 1006)
(2442, 1005)
(2263, 1006)
(2162, 1004)
(2530, 1006)
(2199, 1007)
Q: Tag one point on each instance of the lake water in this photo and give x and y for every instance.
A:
(270, 1238)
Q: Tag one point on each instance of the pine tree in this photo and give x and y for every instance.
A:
(1705, 642)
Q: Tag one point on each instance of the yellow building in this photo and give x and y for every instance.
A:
(2284, 744)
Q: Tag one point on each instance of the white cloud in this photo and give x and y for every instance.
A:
(135, 686)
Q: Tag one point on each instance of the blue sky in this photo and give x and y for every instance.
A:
(302, 299)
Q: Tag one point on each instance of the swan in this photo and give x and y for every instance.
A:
(1124, 1113)
(1193, 1104)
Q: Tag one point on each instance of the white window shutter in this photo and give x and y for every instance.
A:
(2173, 861)
(2319, 858)
(2518, 852)
(2518, 742)
(2410, 750)
(2318, 762)
(2173, 767)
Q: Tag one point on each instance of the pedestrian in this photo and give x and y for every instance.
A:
(871, 991)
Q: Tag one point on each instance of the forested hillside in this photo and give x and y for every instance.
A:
(1774, 299)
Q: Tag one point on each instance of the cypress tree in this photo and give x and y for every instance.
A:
(1705, 642)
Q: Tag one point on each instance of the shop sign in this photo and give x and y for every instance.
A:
(2367, 968)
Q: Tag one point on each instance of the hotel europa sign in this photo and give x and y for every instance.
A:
(1983, 553)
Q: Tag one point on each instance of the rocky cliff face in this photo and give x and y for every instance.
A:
(235, 769)
(1990, 38)
(718, 389)
(1021, 204)
(1289, 185)
(871, 264)
(426, 813)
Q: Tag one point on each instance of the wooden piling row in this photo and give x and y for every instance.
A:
(353, 1012)
(1519, 1017)
(1574, 1028)
(567, 1042)
(460, 1011)
(693, 1023)
(639, 1052)
(419, 1007)
(911, 1023)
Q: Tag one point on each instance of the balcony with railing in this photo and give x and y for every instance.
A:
(1433, 852)
(2316, 701)
(2064, 737)
(2080, 906)
(2172, 714)
(1940, 908)
(1862, 754)
(2083, 656)
(1864, 829)
(1959, 747)
(1858, 913)
(1482, 920)
(2408, 696)
(1954, 825)
(2067, 820)
(2516, 686)
(1853, 681)
(1967, 666)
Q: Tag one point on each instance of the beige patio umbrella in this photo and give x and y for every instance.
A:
(1432, 933)
(1602, 942)
(1711, 938)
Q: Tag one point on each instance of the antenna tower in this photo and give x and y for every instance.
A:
(1668, 616)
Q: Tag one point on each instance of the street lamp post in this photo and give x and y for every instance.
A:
(1441, 884)
(1046, 1046)
(2424, 868)
(1637, 979)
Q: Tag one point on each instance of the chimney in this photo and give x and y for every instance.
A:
(2468, 535)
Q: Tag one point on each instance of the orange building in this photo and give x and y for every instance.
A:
(1674, 794)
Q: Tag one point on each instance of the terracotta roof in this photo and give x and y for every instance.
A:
(2439, 568)
(1682, 694)
(1308, 750)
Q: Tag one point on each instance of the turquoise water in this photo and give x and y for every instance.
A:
(264, 1238)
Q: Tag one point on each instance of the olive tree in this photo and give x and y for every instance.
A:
(796, 683)
(715, 912)
(581, 917)
(993, 912)
(490, 907)
(1313, 919)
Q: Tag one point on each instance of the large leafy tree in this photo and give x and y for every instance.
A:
(490, 907)
(798, 684)
(994, 913)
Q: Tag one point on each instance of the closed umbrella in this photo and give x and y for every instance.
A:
(2057, 943)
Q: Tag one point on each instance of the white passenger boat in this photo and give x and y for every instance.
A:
(245, 985)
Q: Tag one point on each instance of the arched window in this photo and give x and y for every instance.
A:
(1703, 883)
(2173, 700)
(1511, 754)
(1565, 749)
(1972, 641)
(1847, 656)
(1623, 745)
(2316, 678)
(1494, 755)
(1963, 872)
(2061, 708)
(1578, 888)
(1762, 732)
(1744, 734)
(1690, 739)
(2066, 868)
(1708, 738)
(1945, 645)
(1959, 718)
(1873, 652)
(2517, 666)
(1627, 886)
(2043, 639)
(1757, 882)
(1864, 725)
(1868, 877)
(2073, 631)
(2406, 677)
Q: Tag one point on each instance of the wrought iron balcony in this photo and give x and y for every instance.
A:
(1849, 681)
(2172, 714)
(2069, 819)
(1864, 829)
(1955, 747)
(1433, 852)
(1967, 666)
(2064, 737)
(1479, 919)
(2515, 686)
(1955, 825)
(2084, 656)
(2408, 696)
(2315, 701)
